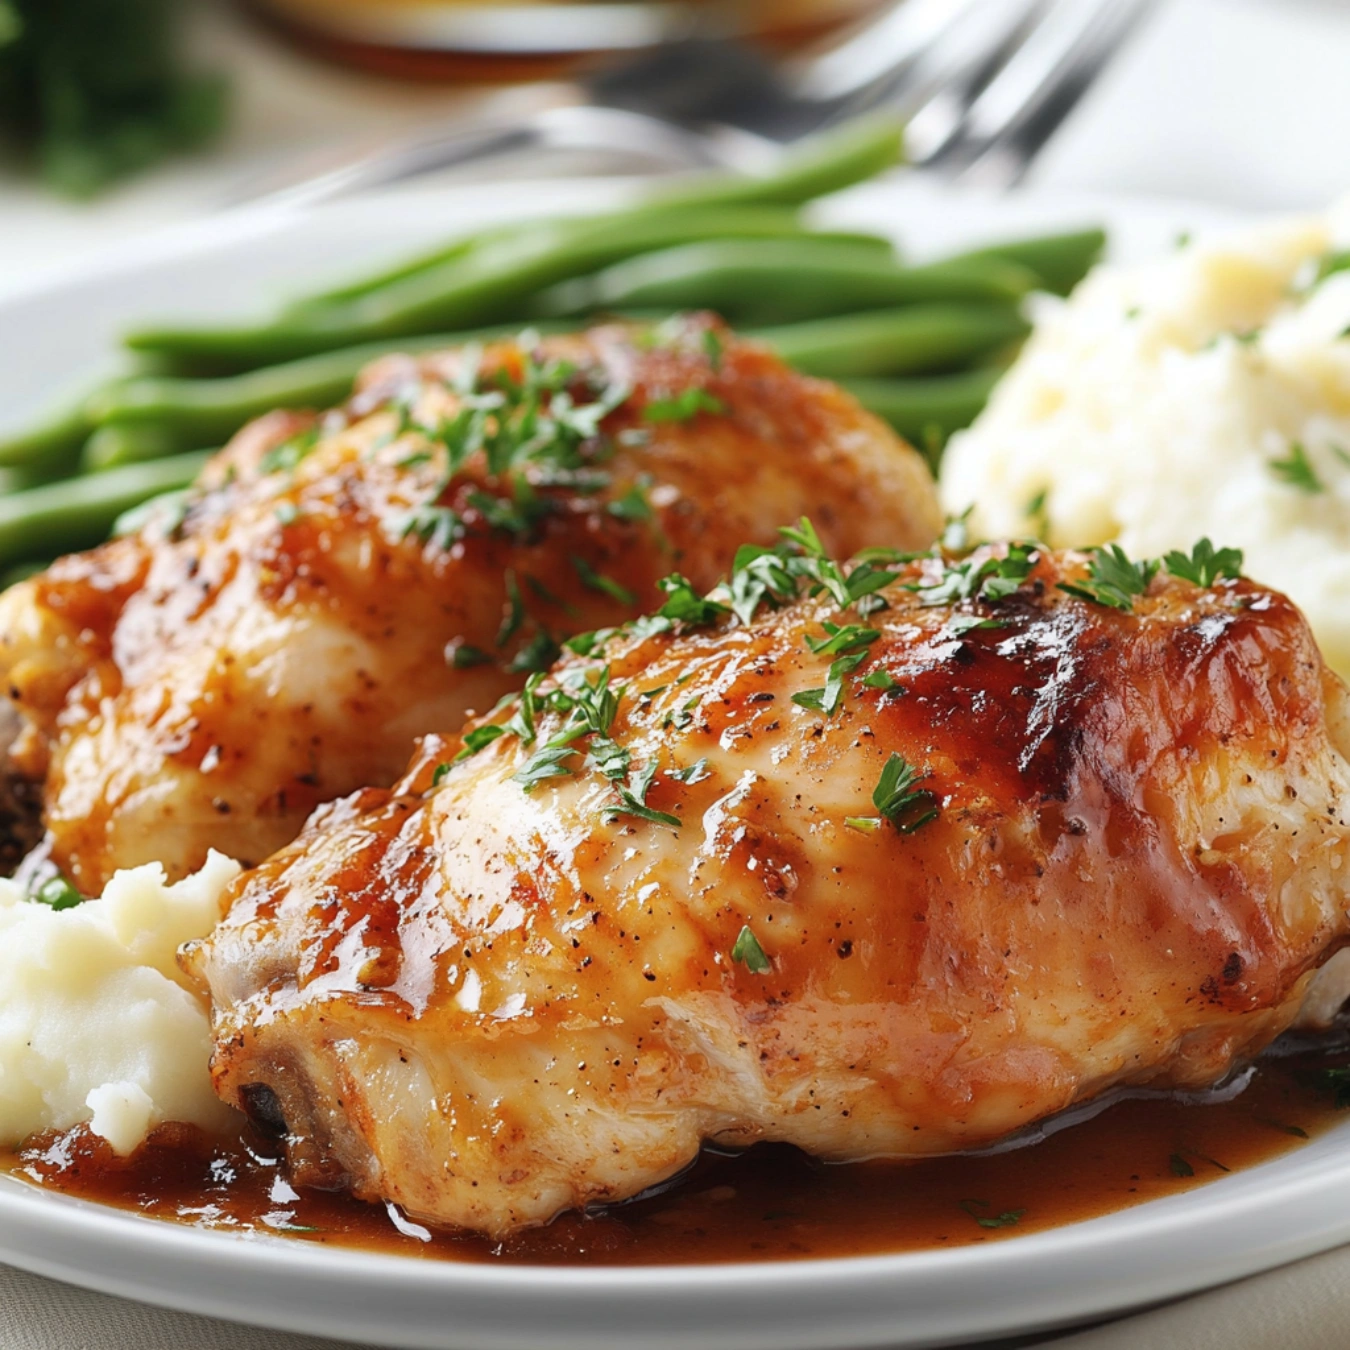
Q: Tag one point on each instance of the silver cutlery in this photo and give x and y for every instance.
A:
(983, 84)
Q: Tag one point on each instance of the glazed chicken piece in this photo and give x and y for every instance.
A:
(341, 585)
(1026, 848)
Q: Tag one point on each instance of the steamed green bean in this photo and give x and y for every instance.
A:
(920, 339)
(62, 517)
(1060, 261)
(489, 286)
(825, 163)
(928, 404)
(780, 281)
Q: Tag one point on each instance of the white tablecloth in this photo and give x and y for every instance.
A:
(1240, 102)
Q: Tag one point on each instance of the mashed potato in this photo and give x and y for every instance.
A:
(1207, 393)
(97, 1024)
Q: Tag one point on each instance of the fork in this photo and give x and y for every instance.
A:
(983, 85)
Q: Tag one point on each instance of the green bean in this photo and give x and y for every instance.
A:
(821, 164)
(189, 413)
(489, 286)
(53, 437)
(122, 443)
(60, 517)
(453, 251)
(825, 163)
(913, 341)
(782, 281)
(1061, 261)
(930, 405)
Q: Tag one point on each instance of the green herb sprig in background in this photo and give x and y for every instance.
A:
(94, 90)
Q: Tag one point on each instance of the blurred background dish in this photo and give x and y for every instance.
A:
(490, 39)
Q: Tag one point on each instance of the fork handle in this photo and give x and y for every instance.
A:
(576, 127)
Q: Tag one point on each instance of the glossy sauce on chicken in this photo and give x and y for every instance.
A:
(770, 1204)
(341, 584)
(520, 985)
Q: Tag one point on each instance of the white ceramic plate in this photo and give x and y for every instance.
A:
(1242, 1223)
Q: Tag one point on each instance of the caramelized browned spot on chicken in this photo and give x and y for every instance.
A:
(337, 590)
(489, 1004)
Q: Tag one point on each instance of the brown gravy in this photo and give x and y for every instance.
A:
(769, 1204)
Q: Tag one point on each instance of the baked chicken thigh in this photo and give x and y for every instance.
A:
(339, 585)
(892, 880)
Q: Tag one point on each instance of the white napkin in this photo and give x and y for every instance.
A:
(1305, 1306)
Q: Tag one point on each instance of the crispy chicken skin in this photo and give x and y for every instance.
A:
(489, 1004)
(208, 682)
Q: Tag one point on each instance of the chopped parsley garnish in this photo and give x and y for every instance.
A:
(864, 824)
(474, 741)
(57, 893)
(608, 758)
(538, 654)
(1113, 580)
(987, 579)
(522, 722)
(593, 706)
(633, 800)
(827, 700)
(590, 704)
(286, 456)
(549, 761)
(774, 576)
(956, 532)
(532, 423)
(1296, 471)
(1338, 1081)
(518, 514)
(466, 656)
(633, 505)
(439, 526)
(842, 638)
(685, 605)
(883, 680)
(587, 644)
(1179, 1166)
(977, 1209)
(959, 624)
(906, 806)
(514, 614)
(747, 952)
(680, 720)
(695, 773)
(683, 407)
(598, 581)
(713, 347)
(1206, 564)
(1038, 513)
(441, 773)
(758, 575)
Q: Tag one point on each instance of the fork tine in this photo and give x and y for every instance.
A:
(1030, 96)
(882, 51)
(957, 69)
